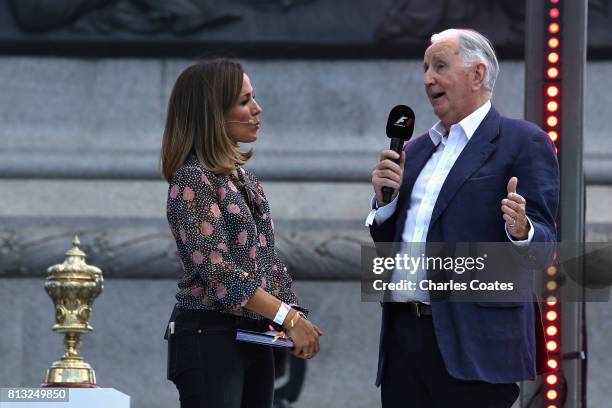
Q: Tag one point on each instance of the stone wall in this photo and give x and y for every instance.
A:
(80, 140)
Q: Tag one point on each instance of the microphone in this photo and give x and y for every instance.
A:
(400, 126)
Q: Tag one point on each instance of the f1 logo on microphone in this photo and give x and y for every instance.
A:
(401, 120)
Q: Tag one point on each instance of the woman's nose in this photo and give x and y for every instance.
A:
(257, 108)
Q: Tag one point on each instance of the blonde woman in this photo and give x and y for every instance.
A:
(218, 213)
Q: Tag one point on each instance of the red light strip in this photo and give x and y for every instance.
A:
(552, 125)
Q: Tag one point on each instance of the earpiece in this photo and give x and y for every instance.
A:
(250, 122)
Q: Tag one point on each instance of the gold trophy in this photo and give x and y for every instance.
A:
(73, 286)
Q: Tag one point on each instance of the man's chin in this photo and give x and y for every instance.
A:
(439, 111)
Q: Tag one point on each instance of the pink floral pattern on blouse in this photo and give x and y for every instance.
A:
(225, 240)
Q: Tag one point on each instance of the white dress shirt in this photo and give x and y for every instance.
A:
(425, 193)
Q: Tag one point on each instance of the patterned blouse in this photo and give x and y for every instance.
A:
(225, 240)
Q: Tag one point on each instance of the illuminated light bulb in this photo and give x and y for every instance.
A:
(554, 12)
(551, 285)
(551, 301)
(553, 57)
(552, 106)
(551, 330)
(551, 345)
(552, 91)
(552, 121)
(553, 135)
(553, 42)
(552, 364)
(551, 394)
(553, 28)
(551, 270)
(551, 379)
(552, 72)
(551, 315)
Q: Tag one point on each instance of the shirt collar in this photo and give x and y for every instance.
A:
(469, 124)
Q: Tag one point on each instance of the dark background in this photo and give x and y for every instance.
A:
(326, 29)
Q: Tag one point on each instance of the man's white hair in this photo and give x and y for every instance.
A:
(474, 47)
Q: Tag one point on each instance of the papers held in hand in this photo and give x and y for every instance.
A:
(269, 338)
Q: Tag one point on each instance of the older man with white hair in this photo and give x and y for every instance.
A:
(476, 176)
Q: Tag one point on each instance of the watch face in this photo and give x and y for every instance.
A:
(301, 310)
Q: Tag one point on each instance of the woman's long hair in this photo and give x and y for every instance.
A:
(195, 122)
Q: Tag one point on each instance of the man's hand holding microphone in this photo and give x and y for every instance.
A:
(388, 173)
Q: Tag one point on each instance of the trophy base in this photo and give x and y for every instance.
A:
(67, 385)
(70, 373)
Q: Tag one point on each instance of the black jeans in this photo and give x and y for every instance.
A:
(211, 369)
(415, 374)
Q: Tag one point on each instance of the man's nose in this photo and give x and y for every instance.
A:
(428, 78)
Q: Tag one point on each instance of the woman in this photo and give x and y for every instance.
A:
(219, 216)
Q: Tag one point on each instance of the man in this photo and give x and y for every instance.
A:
(474, 177)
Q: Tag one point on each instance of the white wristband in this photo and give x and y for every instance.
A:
(281, 314)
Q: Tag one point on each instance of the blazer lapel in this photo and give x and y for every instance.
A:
(473, 156)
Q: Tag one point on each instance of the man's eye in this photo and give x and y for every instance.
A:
(440, 66)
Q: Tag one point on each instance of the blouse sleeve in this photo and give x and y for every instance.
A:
(203, 232)
(279, 269)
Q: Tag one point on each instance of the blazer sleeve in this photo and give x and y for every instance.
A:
(385, 231)
(538, 182)
(537, 170)
(206, 244)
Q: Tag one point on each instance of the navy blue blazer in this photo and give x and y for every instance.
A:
(493, 342)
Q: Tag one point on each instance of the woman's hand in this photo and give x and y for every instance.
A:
(304, 334)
